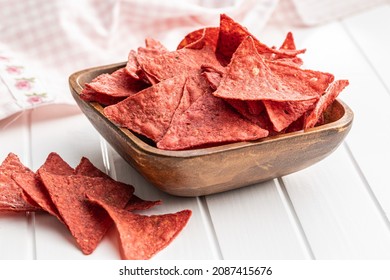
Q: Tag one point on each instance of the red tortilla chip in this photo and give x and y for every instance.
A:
(56, 165)
(178, 62)
(253, 111)
(195, 86)
(136, 204)
(142, 237)
(109, 89)
(208, 121)
(153, 44)
(282, 114)
(288, 43)
(86, 168)
(32, 185)
(249, 77)
(199, 38)
(86, 222)
(150, 111)
(231, 34)
(213, 74)
(330, 95)
(12, 198)
(153, 48)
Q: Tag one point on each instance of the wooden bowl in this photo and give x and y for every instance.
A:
(216, 169)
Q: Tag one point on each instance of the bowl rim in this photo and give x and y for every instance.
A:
(76, 87)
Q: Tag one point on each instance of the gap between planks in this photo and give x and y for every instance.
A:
(297, 226)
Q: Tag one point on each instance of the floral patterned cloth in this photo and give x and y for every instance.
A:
(20, 89)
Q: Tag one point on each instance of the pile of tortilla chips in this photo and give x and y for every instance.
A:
(88, 202)
(221, 85)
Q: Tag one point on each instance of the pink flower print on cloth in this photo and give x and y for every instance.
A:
(20, 89)
(14, 70)
(24, 83)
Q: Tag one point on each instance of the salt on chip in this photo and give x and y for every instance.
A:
(142, 237)
(208, 121)
(150, 111)
(12, 198)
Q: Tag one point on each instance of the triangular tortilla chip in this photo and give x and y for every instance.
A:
(12, 197)
(150, 111)
(55, 164)
(282, 114)
(30, 182)
(208, 121)
(152, 48)
(250, 77)
(86, 222)
(288, 43)
(136, 204)
(330, 95)
(231, 34)
(142, 237)
(199, 38)
(109, 89)
(171, 64)
(86, 168)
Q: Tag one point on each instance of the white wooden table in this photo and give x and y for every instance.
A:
(336, 209)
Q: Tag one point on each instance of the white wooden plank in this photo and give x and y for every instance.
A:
(336, 211)
(64, 130)
(14, 136)
(370, 138)
(16, 239)
(16, 229)
(254, 223)
(370, 32)
(330, 48)
(194, 242)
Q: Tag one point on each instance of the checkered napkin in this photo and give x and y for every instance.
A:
(43, 41)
